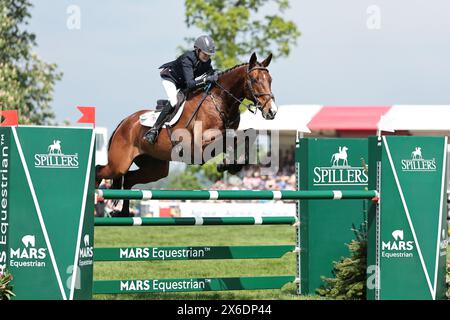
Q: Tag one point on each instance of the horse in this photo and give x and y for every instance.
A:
(217, 108)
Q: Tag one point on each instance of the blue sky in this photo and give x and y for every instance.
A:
(112, 61)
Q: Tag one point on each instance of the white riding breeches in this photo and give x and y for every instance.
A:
(171, 91)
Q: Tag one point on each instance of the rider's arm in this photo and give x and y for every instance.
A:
(188, 71)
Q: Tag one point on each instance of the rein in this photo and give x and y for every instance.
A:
(250, 107)
(199, 105)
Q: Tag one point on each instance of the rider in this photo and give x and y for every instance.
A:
(181, 74)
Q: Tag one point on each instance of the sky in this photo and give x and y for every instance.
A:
(343, 57)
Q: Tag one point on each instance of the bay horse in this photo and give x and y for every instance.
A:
(219, 110)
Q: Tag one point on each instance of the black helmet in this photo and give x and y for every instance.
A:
(206, 44)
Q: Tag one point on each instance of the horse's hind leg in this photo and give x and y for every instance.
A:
(150, 169)
(118, 165)
(120, 158)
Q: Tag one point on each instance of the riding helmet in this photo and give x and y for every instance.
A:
(206, 44)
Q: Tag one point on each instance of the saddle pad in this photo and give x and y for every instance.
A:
(148, 119)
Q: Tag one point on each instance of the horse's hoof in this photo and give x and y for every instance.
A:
(120, 214)
(231, 168)
(235, 169)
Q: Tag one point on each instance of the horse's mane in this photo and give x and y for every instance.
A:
(221, 73)
(231, 69)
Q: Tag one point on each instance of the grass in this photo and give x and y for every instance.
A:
(198, 236)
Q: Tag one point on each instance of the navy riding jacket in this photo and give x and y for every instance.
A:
(185, 69)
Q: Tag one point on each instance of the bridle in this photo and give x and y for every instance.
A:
(250, 107)
(255, 95)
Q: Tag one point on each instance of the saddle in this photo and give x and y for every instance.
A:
(164, 103)
(149, 118)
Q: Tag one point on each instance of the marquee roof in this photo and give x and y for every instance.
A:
(307, 118)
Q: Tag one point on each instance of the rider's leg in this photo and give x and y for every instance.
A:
(171, 91)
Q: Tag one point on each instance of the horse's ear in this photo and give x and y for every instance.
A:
(253, 60)
(266, 62)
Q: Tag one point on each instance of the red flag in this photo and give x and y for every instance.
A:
(88, 115)
(11, 118)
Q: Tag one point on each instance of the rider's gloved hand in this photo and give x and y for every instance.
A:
(212, 78)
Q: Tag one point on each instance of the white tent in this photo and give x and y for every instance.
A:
(419, 117)
(289, 117)
(398, 117)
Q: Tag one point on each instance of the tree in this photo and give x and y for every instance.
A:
(184, 181)
(349, 281)
(238, 31)
(26, 82)
(6, 289)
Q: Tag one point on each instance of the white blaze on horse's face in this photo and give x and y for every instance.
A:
(270, 109)
(273, 107)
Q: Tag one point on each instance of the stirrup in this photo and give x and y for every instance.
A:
(151, 135)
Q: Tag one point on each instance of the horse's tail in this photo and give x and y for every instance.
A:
(112, 135)
(118, 182)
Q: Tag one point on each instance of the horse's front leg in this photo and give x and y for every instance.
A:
(237, 151)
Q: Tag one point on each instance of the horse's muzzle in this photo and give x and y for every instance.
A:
(270, 114)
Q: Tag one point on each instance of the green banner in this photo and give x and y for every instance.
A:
(47, 197)
(326, 226)
(191, 253)
(408, 231)
(191, 284)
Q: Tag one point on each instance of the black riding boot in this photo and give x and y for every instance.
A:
(152, 134)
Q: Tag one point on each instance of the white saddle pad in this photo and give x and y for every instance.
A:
(148, 119)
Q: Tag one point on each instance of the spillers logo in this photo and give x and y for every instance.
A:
(55, 158)
(398, 247)
(340, 172)
(86, 252)
(28, 255)
(418, 163)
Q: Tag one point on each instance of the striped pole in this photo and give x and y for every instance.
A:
(195, 221)
(235, 194)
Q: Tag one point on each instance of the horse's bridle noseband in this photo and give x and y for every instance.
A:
(252, 91)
